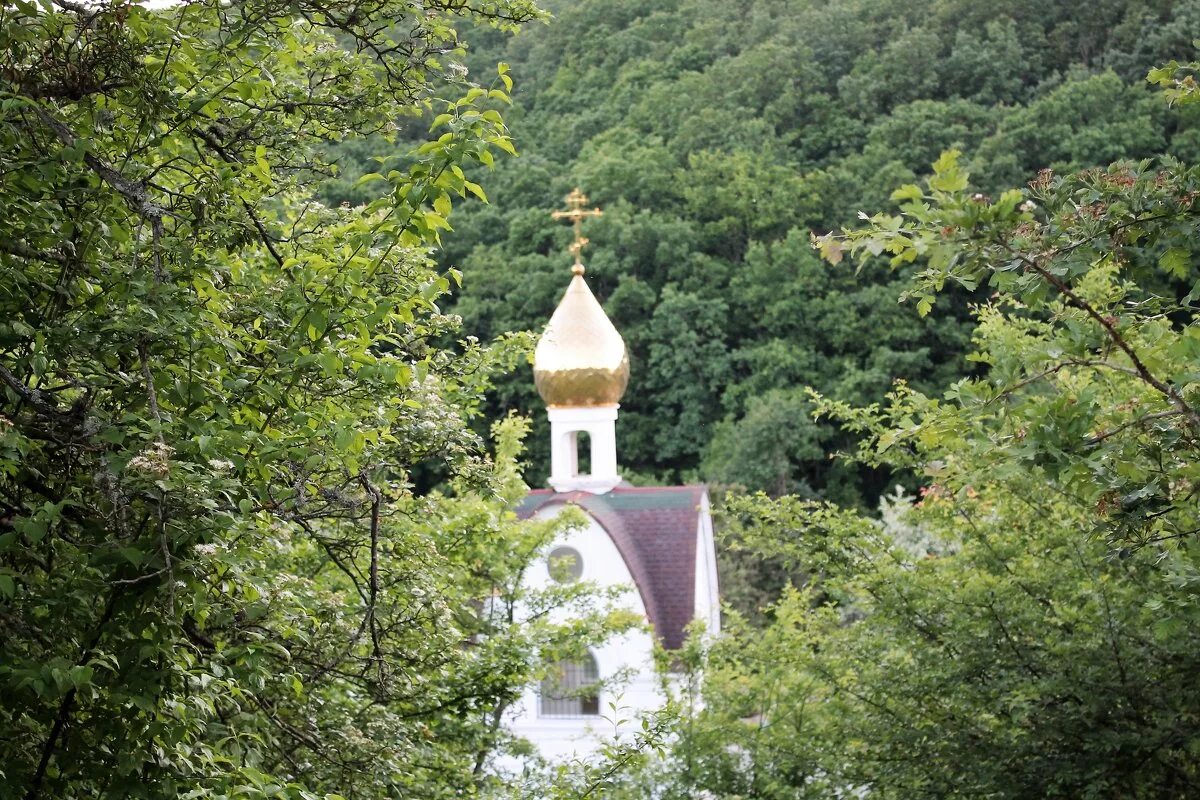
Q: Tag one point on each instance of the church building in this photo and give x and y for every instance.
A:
(655, 543)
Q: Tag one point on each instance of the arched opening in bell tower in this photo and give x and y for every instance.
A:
(582, 445)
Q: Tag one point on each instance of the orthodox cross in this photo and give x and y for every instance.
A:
(577, 212)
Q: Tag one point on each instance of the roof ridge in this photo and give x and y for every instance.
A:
(655, 530)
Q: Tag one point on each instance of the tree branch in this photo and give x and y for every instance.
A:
(65, 707)
(134, 192)
(1110, 328)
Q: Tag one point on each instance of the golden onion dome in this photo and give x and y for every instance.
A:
(581, 359)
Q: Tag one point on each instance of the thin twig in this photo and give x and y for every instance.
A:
(1110, 328)
(1100, 437)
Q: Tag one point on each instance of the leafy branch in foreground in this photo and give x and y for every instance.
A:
(1089, 343)
(1177, 81)
(1026, 626)
(217, 576)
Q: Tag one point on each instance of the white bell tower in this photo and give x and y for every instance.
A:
(600, 425)
(581, 369)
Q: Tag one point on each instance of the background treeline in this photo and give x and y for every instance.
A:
(716, 138)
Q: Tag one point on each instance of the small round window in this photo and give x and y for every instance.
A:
(564, 564)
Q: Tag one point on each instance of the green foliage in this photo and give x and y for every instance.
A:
(1019, 661)
(716, 143)
(1095, 271)
(217, 575)
(1177, 81)
(1028, 627)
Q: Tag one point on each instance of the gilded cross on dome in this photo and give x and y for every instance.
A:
(577, 212)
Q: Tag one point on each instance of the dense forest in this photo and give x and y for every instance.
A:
(716, 142)
(257, 465)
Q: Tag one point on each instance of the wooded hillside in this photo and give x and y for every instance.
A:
(716, 138)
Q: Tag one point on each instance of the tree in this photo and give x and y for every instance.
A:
(1028, 626)
(217, 578)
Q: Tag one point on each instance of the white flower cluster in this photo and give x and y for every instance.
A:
(154, 460)
(907, 534)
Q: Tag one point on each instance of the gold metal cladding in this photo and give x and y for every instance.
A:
(576, 212)
(581, 358)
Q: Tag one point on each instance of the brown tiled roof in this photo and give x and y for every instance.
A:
(654, 529)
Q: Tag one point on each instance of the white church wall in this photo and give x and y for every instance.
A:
(707, 598)
(630, 654)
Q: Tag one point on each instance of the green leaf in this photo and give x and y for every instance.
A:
(442, 204)
(1176, 261)
(475, 189)
(80, 676)
(947, 176)
(436, 221)
(133, 555)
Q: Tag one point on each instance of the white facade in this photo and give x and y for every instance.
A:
(625, 663)
(628, 655)
(708, 597)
